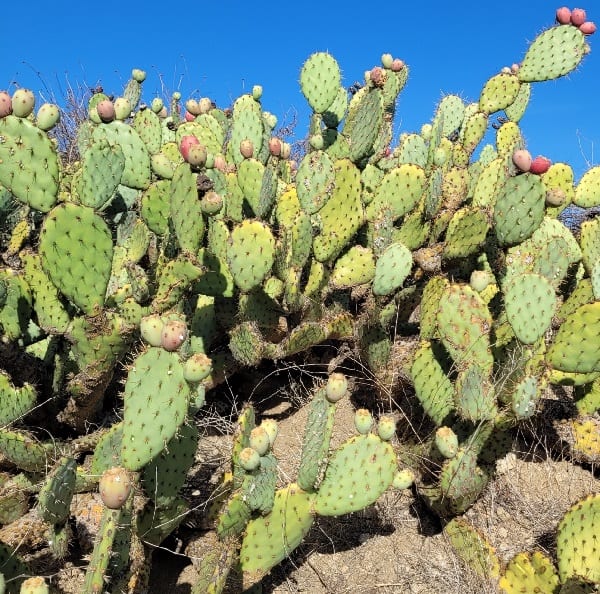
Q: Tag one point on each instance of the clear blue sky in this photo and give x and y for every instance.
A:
(221, 49)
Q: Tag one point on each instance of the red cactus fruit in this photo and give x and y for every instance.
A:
(563, 15)
(578, 17)
(378, 76)
(173, 335)
(106, 110)
(397, 65)
(115, 487)
(540, 165)
(189, 117)
(588, 28)
(247, 148)
(522, 159)
(185, 144)
(5, 104)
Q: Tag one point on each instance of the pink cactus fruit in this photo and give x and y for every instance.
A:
(189, 117)
(5, 104)
(115, 487)
(522, 159)
(588, 28)
(397, 65)
(563, 15)
(173, 335)
(247, 148)
(378, 76)
(185, 144)
(106, 110)
(275, 146)
(578, 17)
(540, 165)
(220, 163)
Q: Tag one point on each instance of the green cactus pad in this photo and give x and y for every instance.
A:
(29, 166)
(147, 124)
(16, 401)
(315, 181)
(516, 109)
(575, 346)
(587, 193)
(554, 53)
(576, 543)
(474, 395)
(363, 122)
(519, 208)
(530, 303)
(185, 210)
(359, 471)
(155, 403)
(461, 480)
(76, 248)
(54, 499)
(466, 232)
(355, 267)
(25, 451)
(320, 80)
(250, 253)
(529, 572)
(392, 268)
(473, 548)
(499, 92)
(269, 540)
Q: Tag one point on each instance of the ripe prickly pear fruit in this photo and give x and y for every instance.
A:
(5, 104)
(220, 163)
(23, 102)
(257, 92)
(247, 148)
(34, 585)
(275, 146)
(196, 155)
(540, 165)
(270, 426)
(588, 28)
(115, 487)
(387, 60)
(106, 110)
(122, 108)
(403, 479)
(378, 76)
(397, 65)
(211, 203)
(151, 328)
(197, 368)
(249, 459)
(563, 15)
(363, 421)
(446, 441)
(47, 116)
(173, 335)
(522, 160)
(555, 197)
(189, 117)
(157, 105)
(578, 17)
(337, 387)
(138, 75)
(386, 429)
(185, 144)
(259, 440)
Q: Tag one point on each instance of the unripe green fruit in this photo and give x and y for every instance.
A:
(196, 155)
(211, 203)
(446, 441)
(204, 105)
(192, 106)
(440, 156)
(337, 387)
(286, 150)
(115, 487)
(480, 280)
(270, 118)
(23, 102)
(48, 116)
(403, 479)
(122, 108)
(34, 585)
(386, 429)
(259, 440)
(363, 421)
(151, 329)
(387, 60)
(556, 197)
(157, 105)
(257, 92)
(270, 426)
(249, 459)
(426, 130)
(317, 141)
(197, 399)
(197, 368)
(173, 335)
(138, 75)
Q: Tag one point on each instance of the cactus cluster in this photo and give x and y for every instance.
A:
(181, 248)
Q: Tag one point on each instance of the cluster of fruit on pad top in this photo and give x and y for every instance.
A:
(183, 245)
